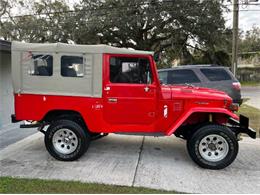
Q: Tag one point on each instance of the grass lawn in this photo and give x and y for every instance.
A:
(250, 83)
(254, 116)
(39, 186)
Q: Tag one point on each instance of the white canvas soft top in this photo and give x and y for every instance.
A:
(90, 85)
(63, 47)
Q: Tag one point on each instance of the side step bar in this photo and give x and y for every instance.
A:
(98, 136)
(31, 125)
(39, 126)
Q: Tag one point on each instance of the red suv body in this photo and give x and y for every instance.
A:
(132, 101)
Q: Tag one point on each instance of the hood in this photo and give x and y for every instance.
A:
(190, 92)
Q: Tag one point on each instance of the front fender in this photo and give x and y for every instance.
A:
(186, 115)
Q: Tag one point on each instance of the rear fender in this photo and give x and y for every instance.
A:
(186, 115)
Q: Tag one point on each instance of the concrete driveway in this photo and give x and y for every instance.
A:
(161, 163)
(12, 134)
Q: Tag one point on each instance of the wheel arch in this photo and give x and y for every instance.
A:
(202, 115)
(58, 114)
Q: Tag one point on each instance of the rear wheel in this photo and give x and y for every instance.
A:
(213, 147)
(66, 140)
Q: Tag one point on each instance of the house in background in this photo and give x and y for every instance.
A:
(249, 66)
(6, 89)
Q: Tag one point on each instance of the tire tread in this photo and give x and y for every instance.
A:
(83, 137)
(213, 129)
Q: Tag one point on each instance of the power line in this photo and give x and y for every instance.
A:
(99, 9)
(111, 12)
(106, 13)
(103, 8)
(119, 12)
(142, 16)
(114, 12)
(248, 10)
(246, 4)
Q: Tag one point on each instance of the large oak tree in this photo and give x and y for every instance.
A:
(170, 27)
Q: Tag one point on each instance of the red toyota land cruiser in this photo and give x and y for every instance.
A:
(78, 93)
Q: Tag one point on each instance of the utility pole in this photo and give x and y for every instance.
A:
(235, 37)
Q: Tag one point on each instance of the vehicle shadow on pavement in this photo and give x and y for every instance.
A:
(155, 162)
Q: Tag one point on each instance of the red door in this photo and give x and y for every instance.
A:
(129, 91)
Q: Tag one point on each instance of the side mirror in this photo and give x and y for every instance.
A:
(157, 56)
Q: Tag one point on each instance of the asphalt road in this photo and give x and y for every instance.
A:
(160, 163)
(253, 93)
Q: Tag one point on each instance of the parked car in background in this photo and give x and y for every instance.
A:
(209, 76)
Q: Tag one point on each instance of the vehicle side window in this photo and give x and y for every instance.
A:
(163, 76)
(130, 70)
(41, 65)
(182, 77)
(72, 66)
(216, 74)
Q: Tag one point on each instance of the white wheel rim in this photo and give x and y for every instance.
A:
(65, 141)
(213, 148)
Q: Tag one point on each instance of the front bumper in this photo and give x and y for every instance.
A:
(242, 126)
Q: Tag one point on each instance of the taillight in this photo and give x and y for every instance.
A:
(234, 107)
(236, 85)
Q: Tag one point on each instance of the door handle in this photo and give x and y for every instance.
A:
(107, 89)
(113, 100)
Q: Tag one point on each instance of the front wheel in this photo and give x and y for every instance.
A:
(66, 140)
(213, 147)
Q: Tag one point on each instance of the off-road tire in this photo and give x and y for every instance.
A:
(82, 136)
(212, 129)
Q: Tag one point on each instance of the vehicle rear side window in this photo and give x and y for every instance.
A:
(40, 65)
(216, 74)
(72, 66)
(182, 77)
(130, 70)
(163, 76)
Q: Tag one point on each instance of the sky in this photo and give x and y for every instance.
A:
(247, 19)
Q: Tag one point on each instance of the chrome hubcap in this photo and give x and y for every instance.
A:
(65, 141)
(213, 148)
